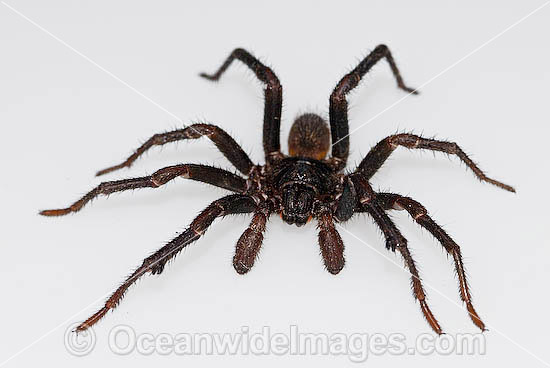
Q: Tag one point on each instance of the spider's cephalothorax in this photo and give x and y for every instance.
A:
(300, 186)
(303, 180)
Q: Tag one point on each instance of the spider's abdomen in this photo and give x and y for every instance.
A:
(299, 182)
(309, 137)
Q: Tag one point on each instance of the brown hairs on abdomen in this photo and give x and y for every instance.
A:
(309, 137)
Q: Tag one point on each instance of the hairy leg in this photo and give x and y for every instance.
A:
(339, 106)
(221, 139)
(397, 202)
(380, 153)
(206, 174)
(394, 241)
(250, 242)
(155, 263)
(273, 98)
(331, 244)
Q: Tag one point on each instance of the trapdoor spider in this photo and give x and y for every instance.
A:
(299, 186)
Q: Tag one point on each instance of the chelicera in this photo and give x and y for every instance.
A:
(299, 186)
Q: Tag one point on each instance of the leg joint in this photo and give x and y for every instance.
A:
(163, 176)
(413, 207)
(404, 139)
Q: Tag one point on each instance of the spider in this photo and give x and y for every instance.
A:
(300, 186)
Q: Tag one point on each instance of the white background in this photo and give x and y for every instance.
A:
(63, 118)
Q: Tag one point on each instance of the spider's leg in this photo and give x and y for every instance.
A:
(206, 174)
(339, 106)
(394, 241)
(394, 201)
(380, 153)
(250, 242)
(221, 139)
(273, 98)
(330, 242)
(155, 263)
